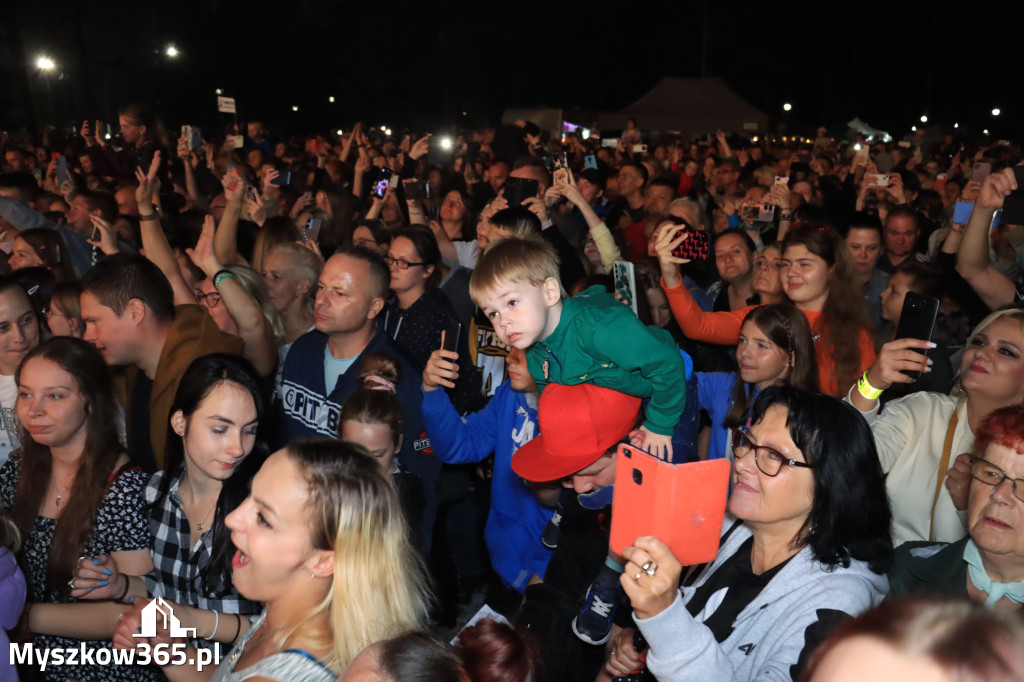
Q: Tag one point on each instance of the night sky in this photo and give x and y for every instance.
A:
(421, 64)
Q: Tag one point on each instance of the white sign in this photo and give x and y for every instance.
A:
(226, 104)
(170, 622)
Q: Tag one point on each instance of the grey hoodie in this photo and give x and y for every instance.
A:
(769, 634)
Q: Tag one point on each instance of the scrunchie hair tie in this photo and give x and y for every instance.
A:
(379, 384)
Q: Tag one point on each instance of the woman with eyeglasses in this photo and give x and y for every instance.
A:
(987, 565)
(417, 311)
(923, 438)
(805, 545)
(249, 317)
(64, 314)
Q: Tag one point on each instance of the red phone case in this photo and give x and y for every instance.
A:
(683, 505)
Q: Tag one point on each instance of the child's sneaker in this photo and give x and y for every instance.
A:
(549, 538)
(593, 624)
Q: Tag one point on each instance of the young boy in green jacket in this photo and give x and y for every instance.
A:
(590, 338)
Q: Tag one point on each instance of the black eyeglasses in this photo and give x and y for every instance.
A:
(768, 460)
(210, 300)
(399, 263)
(988, 473)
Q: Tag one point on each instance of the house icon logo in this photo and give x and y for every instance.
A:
(158, 608)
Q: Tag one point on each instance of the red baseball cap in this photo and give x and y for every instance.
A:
(578, 424)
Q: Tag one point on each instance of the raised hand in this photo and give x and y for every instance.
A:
(441, 370)
(107, 243)
(204, 255)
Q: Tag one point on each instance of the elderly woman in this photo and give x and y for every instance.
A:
(988, 564)
(805, 545)
(919, 437)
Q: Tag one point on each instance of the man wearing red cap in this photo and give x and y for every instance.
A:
(581, 427)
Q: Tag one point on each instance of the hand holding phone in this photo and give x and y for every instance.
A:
(450, 335)
(624, 278)
(917, 321)
(683, 505)
(380, 187)
(694, 247)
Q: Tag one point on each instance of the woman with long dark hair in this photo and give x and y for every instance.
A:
(214, 419)
(818, 277)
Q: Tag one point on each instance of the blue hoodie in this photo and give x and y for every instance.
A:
(516, 520)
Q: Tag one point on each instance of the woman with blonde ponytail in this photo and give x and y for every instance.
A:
(322, 542)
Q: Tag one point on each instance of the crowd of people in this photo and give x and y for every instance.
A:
(316, 393)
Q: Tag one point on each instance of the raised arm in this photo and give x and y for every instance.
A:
(226, 239)
(602, 236)
(154, 241)
(253, 326)
(721, 327)
(973, 262)
(191, 185)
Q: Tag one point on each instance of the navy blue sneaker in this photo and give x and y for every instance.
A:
(598, 499)
(593, 624)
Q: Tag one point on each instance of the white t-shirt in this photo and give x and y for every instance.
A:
(8, 417)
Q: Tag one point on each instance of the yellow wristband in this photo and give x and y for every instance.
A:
(865, 388)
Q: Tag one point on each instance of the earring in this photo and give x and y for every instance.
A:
(313, 576)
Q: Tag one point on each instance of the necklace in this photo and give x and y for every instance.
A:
(207, 517)
(60, 493)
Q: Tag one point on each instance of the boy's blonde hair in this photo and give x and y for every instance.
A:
(529, 259)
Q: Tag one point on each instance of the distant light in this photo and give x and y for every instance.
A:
(956, 125)
(331, 100)
(107, 136)
(219, 91)
(446, 143)
(787, 106)
(171, 51)
(754, 138)
(996, 112)
(463, 113)
(295, 108)
(924, 119)
(985, 131)
(46, 64)
(341, 132)
(857, 146)
(383, 128)
(785, 139)
(913, 128)
(388, 132)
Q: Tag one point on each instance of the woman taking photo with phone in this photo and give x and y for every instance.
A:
(805, 545)
(417, 312)
(817, 276)
(924, 438)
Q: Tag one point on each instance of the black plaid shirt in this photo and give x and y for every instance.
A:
(175, 575)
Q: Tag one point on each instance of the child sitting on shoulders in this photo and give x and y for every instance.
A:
(589, 338)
